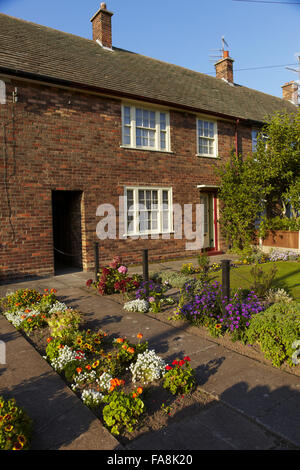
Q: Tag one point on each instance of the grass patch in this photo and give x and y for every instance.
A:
(287, 277)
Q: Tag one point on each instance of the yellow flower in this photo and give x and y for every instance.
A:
(9, 427)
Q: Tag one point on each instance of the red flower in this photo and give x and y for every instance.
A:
(89, 282)
(175, 362)
(168, 367)
(186, 358)
(181, 362)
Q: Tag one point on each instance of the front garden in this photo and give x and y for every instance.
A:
(130, 388)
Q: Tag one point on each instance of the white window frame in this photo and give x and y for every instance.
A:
(132, 128)
(136, 208)
(214, 139)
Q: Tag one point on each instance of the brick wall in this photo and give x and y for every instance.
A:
(55, 139)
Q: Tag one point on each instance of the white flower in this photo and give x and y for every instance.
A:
(137, 305)
(147, 368)
(104, 381)
(277, 295)
(16, 318)
(83, 378)
(66, 355)
(91, 397)
(58, 307)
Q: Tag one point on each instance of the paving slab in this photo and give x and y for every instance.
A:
(215, 428)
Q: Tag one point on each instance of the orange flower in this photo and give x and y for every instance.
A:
(130, 350)
(49, 340)
(134, 395)
(88, 367)
(124, 346)
(53, 291)
(139, 335)
(119, 340)
(139, 390)
(112, 388)
(45, 290)
(78, 369)
(27, 310)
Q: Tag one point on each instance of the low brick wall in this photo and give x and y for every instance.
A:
(282, 239)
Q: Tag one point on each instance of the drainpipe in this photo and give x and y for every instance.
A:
(236, 136)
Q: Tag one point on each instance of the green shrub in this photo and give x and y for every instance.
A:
(122, 411)
(179, 379)
(275, 330)
(262, 280)
(64, 323)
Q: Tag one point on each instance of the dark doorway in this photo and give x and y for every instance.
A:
(66, 216)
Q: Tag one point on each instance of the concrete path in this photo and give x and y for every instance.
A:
(256, 406)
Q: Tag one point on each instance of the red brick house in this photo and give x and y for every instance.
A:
(85, 124)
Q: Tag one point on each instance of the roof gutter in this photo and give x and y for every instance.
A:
(90, 88)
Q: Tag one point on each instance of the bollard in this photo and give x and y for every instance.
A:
(96, 256)
(146, 271)
(225, 279)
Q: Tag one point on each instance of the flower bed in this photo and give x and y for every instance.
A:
(15, 426)
(114, 377)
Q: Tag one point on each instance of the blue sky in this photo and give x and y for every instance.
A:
(188, 33)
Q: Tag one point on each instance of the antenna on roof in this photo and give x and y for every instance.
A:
(221, 54)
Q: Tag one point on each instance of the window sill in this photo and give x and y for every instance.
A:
(159, 234)
(207, 156)
(143, 149)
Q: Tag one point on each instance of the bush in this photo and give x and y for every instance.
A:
(122, 410)
(275, 330)
(262, 280)
(64, 323)
(179, 380)
(114, 279)
(15, 426)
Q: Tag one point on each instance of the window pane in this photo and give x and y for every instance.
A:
(141, 196)
(129, 199)
(165, 220)
(163, 123)
(154, 220)
(138, 117)
(127, 115)
(130, 222)
(163, 140)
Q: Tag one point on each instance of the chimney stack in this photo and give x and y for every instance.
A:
(101, 22)
(224, 68)
(290, 92)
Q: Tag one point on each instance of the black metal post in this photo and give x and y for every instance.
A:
(146, 271)
(96, 256)
(225, 263)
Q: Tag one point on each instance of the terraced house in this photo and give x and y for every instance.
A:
(85, 124)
